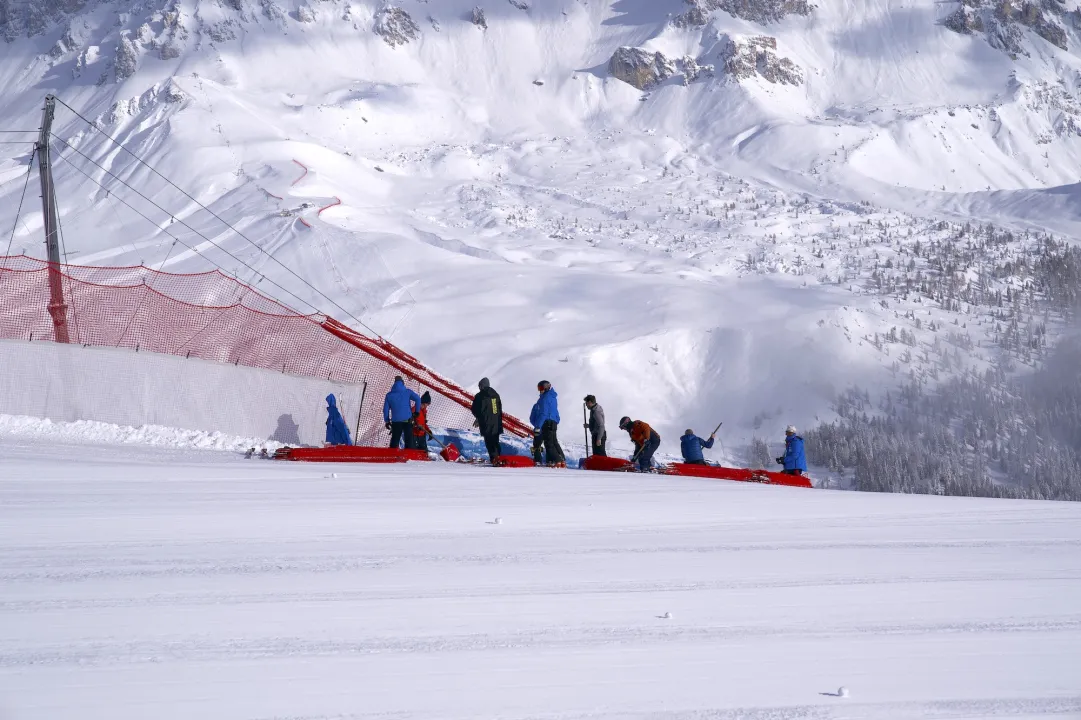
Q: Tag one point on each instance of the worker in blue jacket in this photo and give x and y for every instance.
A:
(337, 430)
(794, 459)
(545, 420)
(691, 446)
(398, 409)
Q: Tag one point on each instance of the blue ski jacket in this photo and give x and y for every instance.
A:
(400, 403)
(691, 447)
(794, 459)
(337, 430)
(546, 408)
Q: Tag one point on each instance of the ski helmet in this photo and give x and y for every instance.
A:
(790, 430)
(544, 386)
(625, 422)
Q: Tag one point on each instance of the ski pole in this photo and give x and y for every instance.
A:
(360, 412)
(585, 430)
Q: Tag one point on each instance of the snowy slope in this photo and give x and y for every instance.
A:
(500, 205)
(225, 588)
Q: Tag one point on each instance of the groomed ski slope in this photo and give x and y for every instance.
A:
(148, 583)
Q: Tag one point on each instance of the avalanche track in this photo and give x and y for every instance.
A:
(179, 584)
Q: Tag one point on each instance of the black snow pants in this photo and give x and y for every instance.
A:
(401, 431)
(599, 443)
(547, 438)
(491, 442)
(645, 455)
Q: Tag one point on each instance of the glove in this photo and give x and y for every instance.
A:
(388, 426)
(780, 460)
(585, 425)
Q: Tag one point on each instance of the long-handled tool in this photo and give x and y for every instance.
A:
(450, 451)
(360, 412)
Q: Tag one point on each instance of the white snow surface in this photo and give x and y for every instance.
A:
(180, 584)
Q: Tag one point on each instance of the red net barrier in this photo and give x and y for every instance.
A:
(214, 317)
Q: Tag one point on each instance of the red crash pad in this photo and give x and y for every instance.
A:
(513, 461)
(738, 474)
(606, 464)
(351, 453)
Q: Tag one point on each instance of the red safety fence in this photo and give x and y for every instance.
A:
(214, 317)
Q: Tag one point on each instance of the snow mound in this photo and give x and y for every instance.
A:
(90, 432)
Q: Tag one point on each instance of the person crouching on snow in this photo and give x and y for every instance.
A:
(337, 430)
(691, 446)
(645, 439)
(794, 459)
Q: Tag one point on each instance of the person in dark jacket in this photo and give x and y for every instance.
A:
(645, 439)
(596, 426)
(794, 460)
(398, 408)
(421, 432)
(488, 411)
(691, 446)
(545, 420)
(337, 430)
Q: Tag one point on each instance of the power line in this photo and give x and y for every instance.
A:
(181, 221)
(19, 212)
(219, 218)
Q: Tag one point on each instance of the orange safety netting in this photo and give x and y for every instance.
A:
(215, 317)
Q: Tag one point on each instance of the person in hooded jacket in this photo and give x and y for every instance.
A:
(488, 411)
(596, 426)
(421, 432)
(691, 446)
(794, 459)
(544, 417)
(337, 430)
(645, 439)
(398, 408)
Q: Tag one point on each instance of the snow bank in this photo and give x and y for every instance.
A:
(92, 432)
(208, 401)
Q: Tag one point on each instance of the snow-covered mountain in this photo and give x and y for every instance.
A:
(719, 209)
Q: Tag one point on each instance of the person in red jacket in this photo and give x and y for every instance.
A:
(421, 432)
(645, 439)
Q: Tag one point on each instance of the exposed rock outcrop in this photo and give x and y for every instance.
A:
(396, 26)
(640, 68)
(479, 19)
(759, 11)
(127, 59)
(747, 58)
(1001, 22)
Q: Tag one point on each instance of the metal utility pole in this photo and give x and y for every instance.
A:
(58, 309)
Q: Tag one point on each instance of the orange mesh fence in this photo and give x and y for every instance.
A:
(214, 317)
